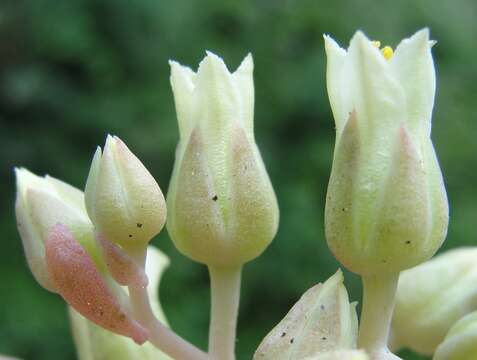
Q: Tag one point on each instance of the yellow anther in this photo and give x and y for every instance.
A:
(387, 52)
(376, 44)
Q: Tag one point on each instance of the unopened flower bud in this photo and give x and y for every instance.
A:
(322, 321)
(78, 280)
(123, 200)
(386, 207)
(41, 203)
(222, 209)
(461, 341)
(431, 297)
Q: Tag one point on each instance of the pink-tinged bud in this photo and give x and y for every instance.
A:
(122, 267)
(41, 203)
(96, 343)
(78, 281)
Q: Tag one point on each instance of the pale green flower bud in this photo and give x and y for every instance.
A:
(222, 207)
(58, 238)
(123, 200)
(41, 203)
(431, 297)
(461, 341)
(95, 343)
(321, 322)
(386, 207)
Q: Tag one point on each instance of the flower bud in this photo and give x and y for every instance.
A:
(123, 200)
(222, 207)
(461, 341)
(78, 280)
(433, 296)
(95, 343)
(322, 321)
(386, 207)
(41, 203)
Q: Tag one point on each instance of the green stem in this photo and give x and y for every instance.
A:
(225, 289)
(160, 335)
(378, 304)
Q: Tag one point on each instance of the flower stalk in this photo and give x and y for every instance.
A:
(160, 335)
(225, 290)
(378, 303)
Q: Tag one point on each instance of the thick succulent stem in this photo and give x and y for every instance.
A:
(225, 288)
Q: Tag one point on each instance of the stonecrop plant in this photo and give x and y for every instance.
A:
(386, 215)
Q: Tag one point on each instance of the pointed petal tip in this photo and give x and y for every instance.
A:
(177, 66)
(421, 36)
(212, 60)
(246, 66)
(328, 39)
(248, 59)
(110, 143)
(23, 171)
(359, 35)
(19, 173)
(118, 140)
(337, 277)
(212, 54)
(424, 32)
(25, 178)
(332, 45)
(173, 63)
(182, 77)
(361, 40)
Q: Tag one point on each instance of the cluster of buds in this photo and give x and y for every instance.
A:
(222, 212)
(70, 240)
(59, 242)
(386, 211)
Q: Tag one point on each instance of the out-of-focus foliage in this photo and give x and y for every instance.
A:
(71, 71)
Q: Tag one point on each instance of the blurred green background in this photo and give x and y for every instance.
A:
(73, 71)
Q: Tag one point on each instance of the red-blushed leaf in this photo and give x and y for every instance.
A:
(122, 267)
(82, 286)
